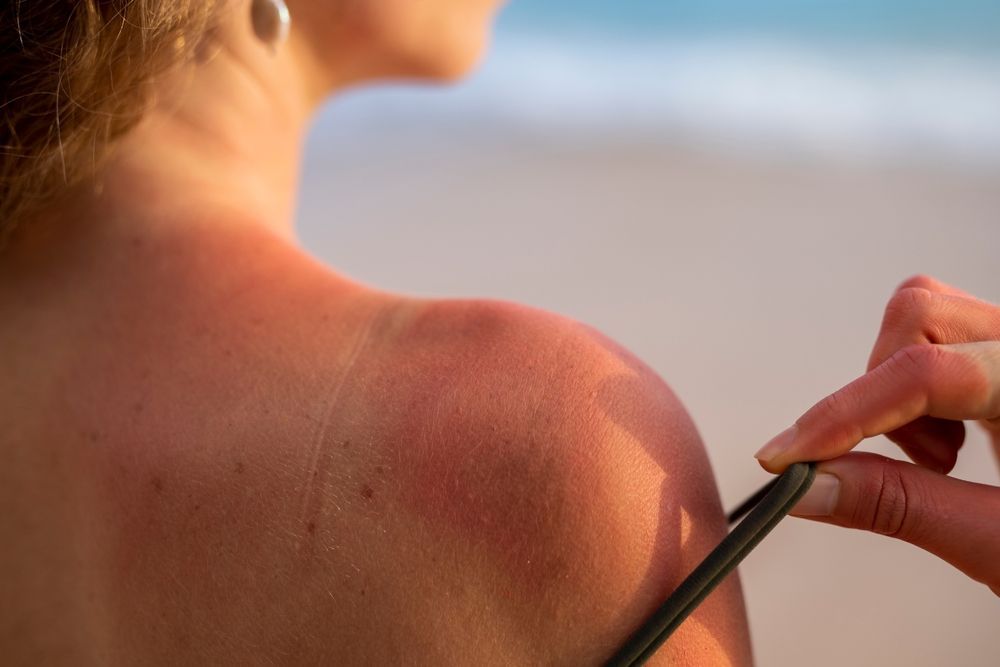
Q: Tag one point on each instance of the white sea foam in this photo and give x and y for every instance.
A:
(729, 93)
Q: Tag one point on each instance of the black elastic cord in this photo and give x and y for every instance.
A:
(766, 507)
(751, 502)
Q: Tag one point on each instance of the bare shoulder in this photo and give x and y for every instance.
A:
(562, 473)
(376, 481)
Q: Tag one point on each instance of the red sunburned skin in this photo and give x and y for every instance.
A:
(462, 450)
(186, 444)
(241, 468)
(495, 414)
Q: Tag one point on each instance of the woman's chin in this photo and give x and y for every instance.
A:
(450, 58)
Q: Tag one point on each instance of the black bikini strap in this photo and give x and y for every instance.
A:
(766, 507)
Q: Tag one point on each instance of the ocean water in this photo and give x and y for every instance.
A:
(846, 79)
(961, 24)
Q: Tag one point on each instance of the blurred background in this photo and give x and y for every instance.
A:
(732, 190)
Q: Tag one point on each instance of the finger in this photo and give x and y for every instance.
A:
(932, 284)
(925, 310)
(948, 381)
(956, 520)
(918, 316)
(931, 442)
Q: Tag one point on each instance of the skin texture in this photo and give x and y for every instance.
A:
(214, 450)
(936, 363)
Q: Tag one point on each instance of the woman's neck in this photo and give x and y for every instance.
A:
(220, 144)
(226, 132)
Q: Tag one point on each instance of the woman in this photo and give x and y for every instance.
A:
(216, 451)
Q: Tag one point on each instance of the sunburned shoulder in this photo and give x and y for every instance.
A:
(562, 472)
(425, 482)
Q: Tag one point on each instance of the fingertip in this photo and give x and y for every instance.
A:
(776, 447)
(771, 465)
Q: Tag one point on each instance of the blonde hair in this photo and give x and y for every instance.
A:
(75, 76)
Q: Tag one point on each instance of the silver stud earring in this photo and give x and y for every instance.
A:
(271, 21)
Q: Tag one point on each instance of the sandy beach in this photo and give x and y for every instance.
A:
(753, 286)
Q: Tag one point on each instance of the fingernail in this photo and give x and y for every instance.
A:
(821, 498)
(777, 444)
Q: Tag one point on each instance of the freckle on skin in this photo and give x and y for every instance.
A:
(347, 443)
(239, 468)
(311, 528)
(158, 484)
(137, 408)
(367, 492)
(379, 469)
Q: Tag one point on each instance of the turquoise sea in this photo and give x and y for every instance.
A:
(962, 25)
(872, 80)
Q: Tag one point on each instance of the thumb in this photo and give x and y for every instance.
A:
(956, 520)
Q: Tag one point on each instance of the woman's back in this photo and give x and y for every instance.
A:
(236, 456)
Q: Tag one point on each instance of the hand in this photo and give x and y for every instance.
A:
(936, 362)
